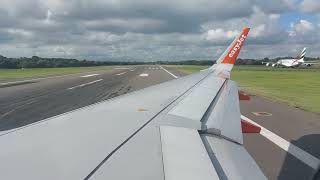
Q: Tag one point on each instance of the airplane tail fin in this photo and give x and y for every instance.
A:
(302, 54)
(231, 54)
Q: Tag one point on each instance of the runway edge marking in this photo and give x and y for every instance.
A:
(300, 154)
(168, 72)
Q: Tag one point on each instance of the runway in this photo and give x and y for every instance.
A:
(299, 128)
(29, 100)
(37, 99)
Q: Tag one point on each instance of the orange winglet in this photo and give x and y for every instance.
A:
(248, 127)
(233, 53)
(243, 96)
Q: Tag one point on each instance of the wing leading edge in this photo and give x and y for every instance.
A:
(193, 132)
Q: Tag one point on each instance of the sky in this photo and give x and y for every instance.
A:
(149, 30)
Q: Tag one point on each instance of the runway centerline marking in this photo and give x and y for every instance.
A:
(121, 68)
(169, 72)
(35, 79)
(300, 154)
(40, 78)
(89, 75)
(85, 84)
(144, 75)
(121, 74)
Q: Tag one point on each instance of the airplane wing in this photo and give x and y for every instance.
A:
(188, 128)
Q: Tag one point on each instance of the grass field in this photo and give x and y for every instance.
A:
(297, 87)
(40, 72)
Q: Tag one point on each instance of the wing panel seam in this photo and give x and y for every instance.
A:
(213, 103)
(216, 164)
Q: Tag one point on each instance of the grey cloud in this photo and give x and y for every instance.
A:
(176, 16)
(275, 6)
(310, 6)
(141, 29)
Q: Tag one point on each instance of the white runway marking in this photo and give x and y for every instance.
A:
(168, 72)
(85, 84)
(300, 154)
(29, 80)
(144, 75)
(90, 75)
(41, 78)
(121, 68)
(35, 79)
(121, 74)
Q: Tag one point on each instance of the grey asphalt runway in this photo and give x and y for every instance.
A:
(34, 100)
(22, 104)
(299, 128)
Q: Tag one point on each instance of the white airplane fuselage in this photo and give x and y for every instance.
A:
(290, 62)
(297, 62)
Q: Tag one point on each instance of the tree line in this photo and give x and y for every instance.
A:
(39, 62)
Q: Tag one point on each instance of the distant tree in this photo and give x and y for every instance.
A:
(39, 62)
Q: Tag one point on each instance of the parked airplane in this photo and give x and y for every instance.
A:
(187, 128)
(296, 62)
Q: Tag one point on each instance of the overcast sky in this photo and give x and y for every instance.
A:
(157, 30)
